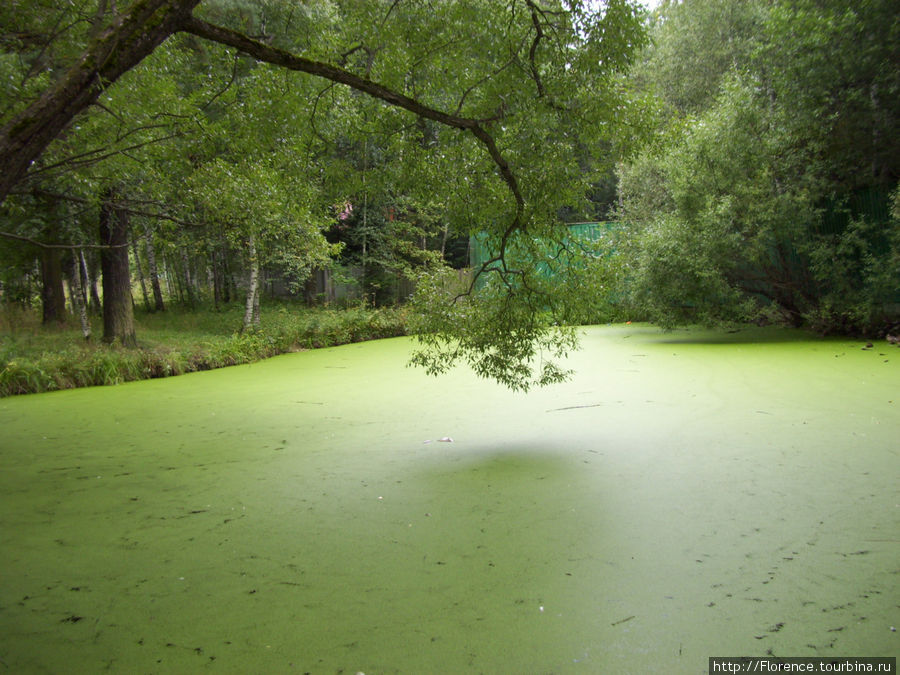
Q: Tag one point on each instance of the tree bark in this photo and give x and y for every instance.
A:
(158, 304)
(127, 41)
(96, 305)
(118, 312)
(79, 298)
(259, 286)
(84, 279)
(89, 281)
(188, 279)
(140, 271)
(215, 278)
(251, 306)
(53, 296)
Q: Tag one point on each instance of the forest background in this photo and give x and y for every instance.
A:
(215, 172)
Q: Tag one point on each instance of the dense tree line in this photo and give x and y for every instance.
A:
(767, 189)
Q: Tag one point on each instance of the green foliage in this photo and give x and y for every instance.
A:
(857, 270)
(733, 209)
(694, 47)
(257, 199)
(677, 278)
(831, 67)
(499, 116)
(514, 343)
(712, 217)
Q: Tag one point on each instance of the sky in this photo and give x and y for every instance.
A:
(651, 4)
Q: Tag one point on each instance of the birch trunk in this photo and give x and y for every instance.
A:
(252, 288)
(79, 298)
(84, 279)
(256, 300)
(90, 273)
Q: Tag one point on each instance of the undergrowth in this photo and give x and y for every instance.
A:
(35, 359)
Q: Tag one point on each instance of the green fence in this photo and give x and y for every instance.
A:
(871, 204)
(480, 252)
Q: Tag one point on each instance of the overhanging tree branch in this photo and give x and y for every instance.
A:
(120, 206)
(40, 244)
(128, 40)
(285, 59)
(538, 36)
(99, 154)
(135, 33)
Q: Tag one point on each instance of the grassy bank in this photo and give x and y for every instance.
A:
(36, 359)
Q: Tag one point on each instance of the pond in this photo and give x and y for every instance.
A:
(685, 495)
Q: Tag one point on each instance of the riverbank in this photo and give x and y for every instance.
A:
(36, 359)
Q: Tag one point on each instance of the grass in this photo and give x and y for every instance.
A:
(35, 359)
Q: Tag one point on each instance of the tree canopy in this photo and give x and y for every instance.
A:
(493, 111)
(765, 192)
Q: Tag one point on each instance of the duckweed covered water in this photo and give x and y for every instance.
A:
(686, 495)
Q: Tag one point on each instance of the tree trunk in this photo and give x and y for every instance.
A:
(83, 278)
(256, 300)
(79, 298)
(170, 285)
(216, 278)
(188, 279)
(251, 307)
(118, 314)
(158, 304)
(53, 296)
(131, 37)
(140, 271)
(90, 274)
(228, 287)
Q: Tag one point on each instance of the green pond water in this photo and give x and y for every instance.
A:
(685, 495)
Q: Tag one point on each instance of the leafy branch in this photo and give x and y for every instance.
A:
(285, 59)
